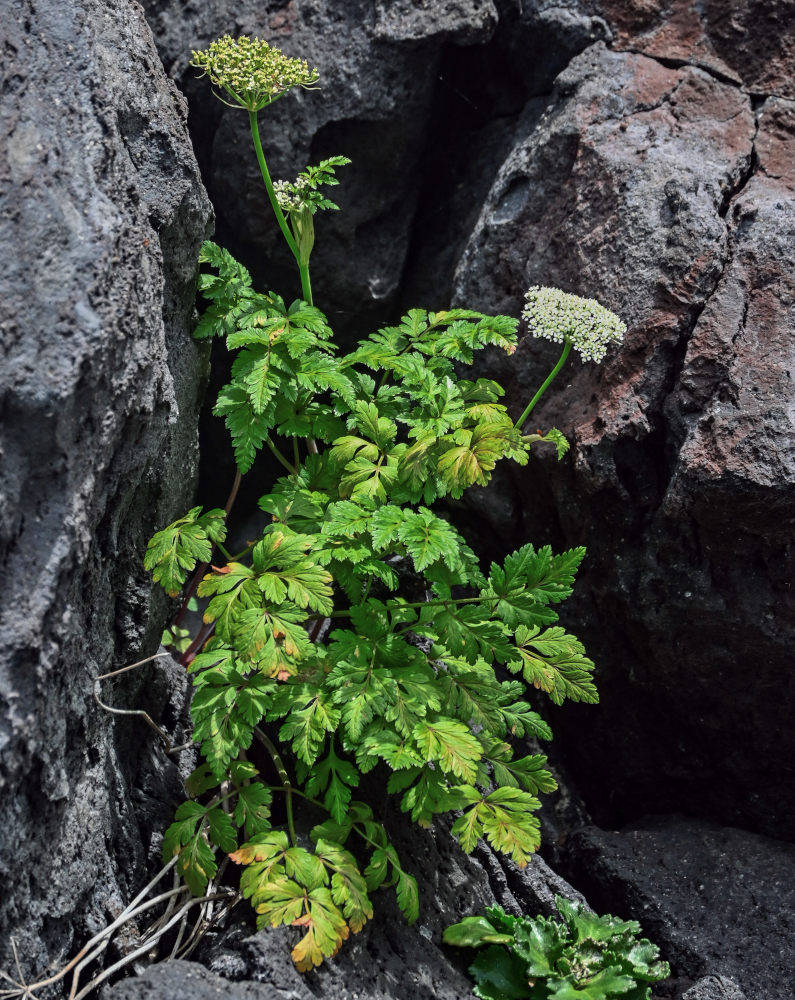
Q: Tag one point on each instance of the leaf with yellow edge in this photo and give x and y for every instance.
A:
(326, 930)
(348, 886)
(451, 743)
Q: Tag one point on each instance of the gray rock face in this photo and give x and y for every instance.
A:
(665, 194)
(101, 217)
(714, 988)
(719, 902)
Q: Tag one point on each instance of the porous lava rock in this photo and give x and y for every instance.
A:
(666, 193)
(101, 215)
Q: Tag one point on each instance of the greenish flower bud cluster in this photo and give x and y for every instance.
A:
(252, 72)
(559, 316)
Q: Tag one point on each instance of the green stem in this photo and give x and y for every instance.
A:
(306, 284)
(561, 361)
(224, 552)
(286, 783)
(280, 457)
(263, 166)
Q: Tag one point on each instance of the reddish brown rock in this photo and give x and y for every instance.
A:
(748, 41)
(641, 186)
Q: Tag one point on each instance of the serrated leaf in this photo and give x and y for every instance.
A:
(174, 552)
(451, 744)
(335, 778)
(348, 886)
(555, 662)
(408, 897)
(221, 831)
(252, 809)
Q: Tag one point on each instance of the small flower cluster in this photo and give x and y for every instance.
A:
(251, 72)
(292, 197)
(559, 316)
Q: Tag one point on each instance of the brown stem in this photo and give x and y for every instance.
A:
(204, 635)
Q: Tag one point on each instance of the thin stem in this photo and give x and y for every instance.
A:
(263, 166)
(296, 455)
(288, 785)
(204, 635)
(230, 500)
(280, 458)
(561, 361)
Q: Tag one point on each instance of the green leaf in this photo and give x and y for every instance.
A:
(348, 886)
(528, 772)
(408, 897)
(451, 744)
(428, 538)
(221, 831)
(233, 590)
(505, 817)
(555, 662)
(185, 838)
(500, 976)
(252, 809)
(174, 552)
(473, 932)
(247, 427)
(335, 778)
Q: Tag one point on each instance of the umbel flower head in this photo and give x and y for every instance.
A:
(251, 72)
(560, 317)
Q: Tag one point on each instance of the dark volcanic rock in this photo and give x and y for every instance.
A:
(101, 217)
(378, 65)
(648, 188)
(719, 902)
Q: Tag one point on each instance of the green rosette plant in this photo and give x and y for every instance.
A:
(359, 632)
(581, 957)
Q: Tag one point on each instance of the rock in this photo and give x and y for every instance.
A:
(718, 901)
(714, 988)
(747, 42)
(102, 215)
(387, 959)
(662, 193)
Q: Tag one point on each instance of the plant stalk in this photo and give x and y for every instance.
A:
(263, 166)
(278, 763)
(561, 361)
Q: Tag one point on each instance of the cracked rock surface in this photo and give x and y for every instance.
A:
(101, 215)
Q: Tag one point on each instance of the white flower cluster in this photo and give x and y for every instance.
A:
(559, 316)
(292, 197)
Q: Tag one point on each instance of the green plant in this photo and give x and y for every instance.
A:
(582, 957)
(413, 677)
